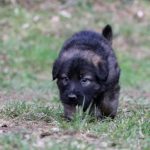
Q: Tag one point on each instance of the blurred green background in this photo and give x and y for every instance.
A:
(31, 35)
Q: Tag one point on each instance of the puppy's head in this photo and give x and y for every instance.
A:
(80, 75)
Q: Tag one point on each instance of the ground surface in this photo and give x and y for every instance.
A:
(31, 35)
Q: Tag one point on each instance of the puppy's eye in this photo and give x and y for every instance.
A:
(65, 80)
(85, 81)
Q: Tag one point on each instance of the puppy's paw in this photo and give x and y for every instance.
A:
(69, 111)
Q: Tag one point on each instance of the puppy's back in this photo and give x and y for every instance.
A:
(87, 40)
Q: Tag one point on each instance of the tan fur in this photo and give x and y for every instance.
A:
(88, 55)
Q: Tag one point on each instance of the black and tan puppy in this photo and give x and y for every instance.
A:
(88, 74)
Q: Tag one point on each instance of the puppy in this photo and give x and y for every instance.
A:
(88, 74)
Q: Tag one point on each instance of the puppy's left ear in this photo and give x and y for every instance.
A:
(55, 69)
(107, 33)
(102, 72)
(102, 75)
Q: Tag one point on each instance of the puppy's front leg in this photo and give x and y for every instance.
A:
(69, 111)
(109, 103)
(95, 111)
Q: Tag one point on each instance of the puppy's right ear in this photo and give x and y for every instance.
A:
(108, 33)
(55, 69)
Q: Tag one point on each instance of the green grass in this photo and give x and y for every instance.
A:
(12, 141)
(27, 51)
(126, 131)
(17, 141)
(132, 74)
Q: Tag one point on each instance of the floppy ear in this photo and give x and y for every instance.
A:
(102, 72)
(107, 33)
(102, 75)
(55, 69)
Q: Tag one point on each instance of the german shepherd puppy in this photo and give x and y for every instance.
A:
(88, 74)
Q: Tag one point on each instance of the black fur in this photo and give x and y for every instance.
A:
(87, 82)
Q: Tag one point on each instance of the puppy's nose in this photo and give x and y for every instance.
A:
(72, 96)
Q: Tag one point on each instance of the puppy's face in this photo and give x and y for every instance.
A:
(77, 85)
(78, 77)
